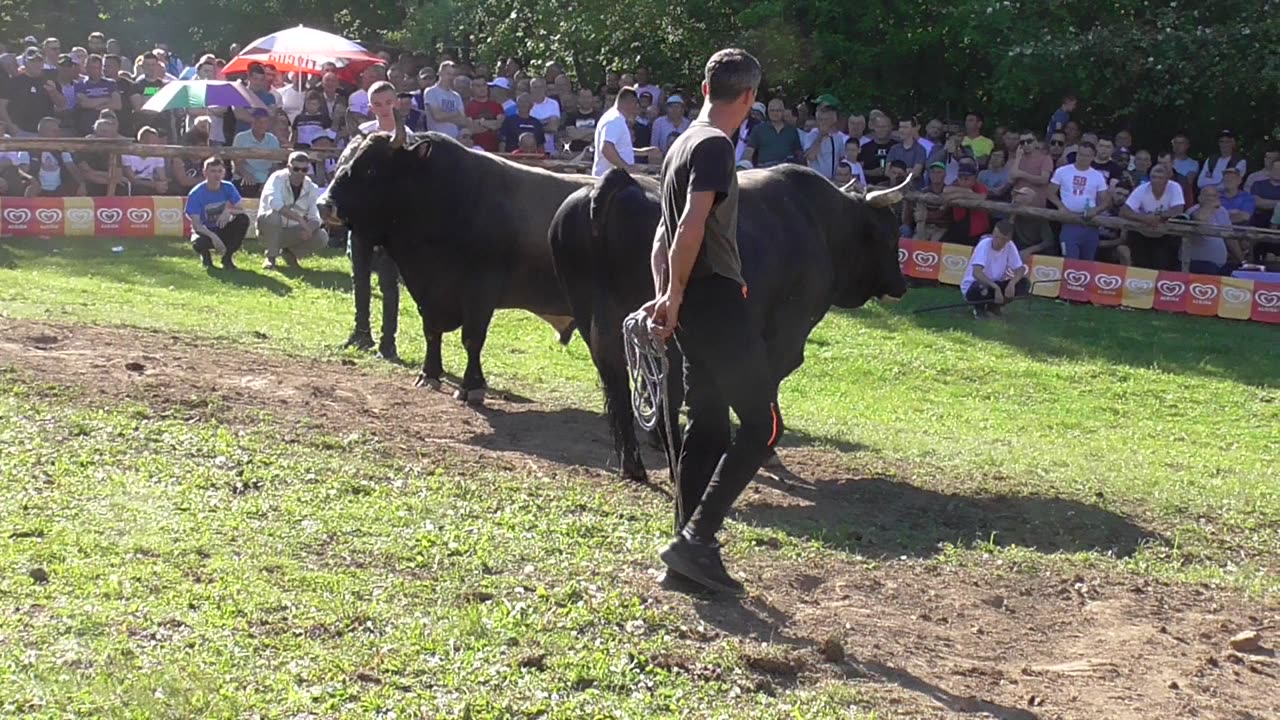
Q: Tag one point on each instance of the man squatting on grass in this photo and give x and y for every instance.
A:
(701, 300)
(996, 273)
(217, 220)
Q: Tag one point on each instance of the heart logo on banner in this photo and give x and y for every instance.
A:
(902, 254)
(110, 216)
(49, 216)
(18, 216)
(1139, 285)
(1077, 278)
(1235, 296)
(1203, 292)
(1267, 299)
(171, 217)
(954, 262)
(140, 216)
(1044, 273)
(1108, 282)
(1171, 288)
(927, 259)
(80, 216)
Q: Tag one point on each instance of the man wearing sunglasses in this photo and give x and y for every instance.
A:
(289, 216)
(1031, 168)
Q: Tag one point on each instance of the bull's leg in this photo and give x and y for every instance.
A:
(432, 364)
(605, 339)
(475, 329)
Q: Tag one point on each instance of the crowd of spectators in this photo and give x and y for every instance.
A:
(509, 108)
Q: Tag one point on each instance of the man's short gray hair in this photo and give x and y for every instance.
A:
(731, 72)
(101, 123)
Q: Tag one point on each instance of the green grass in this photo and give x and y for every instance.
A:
(1064, 437)
(201, 570)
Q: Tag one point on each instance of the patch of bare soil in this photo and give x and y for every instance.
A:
(930, 640)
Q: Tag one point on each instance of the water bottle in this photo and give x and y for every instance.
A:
(1088, 206)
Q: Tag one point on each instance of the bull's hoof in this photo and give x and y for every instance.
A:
(429, 383)
(472, 397)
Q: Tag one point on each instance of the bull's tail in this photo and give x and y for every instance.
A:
(613, 182)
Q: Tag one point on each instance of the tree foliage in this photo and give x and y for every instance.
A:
(1153, 65)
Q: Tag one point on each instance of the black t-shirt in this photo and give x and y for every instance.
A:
(702, 159)
(581, 120)
(28, 101)
(125, 114)
(1111, 170)
(161, 121)
(874, 155)
(515, 126)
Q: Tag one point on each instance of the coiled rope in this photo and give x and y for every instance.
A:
(647, 369)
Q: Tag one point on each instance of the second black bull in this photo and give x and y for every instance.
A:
(467, 230)
(805, 244)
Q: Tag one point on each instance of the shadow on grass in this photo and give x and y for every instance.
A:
(6, 256)
(755, 618)
(320, 279)
(1046, 329)
(884, 517)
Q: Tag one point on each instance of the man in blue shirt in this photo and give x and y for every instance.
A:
(251, 174)
(218, 222)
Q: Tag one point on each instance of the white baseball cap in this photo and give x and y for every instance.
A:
(501, 82)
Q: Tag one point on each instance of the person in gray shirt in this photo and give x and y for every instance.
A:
(445, 111)
(909, 150)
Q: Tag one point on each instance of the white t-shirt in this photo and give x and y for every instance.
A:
(1144, 199)
(613, 128)
(997, 264)
(1213, 175)
(359, 102)
(1079, 187)
(371, 126)
(829, 155)
(445, 101)
(145, 167)
(547, 109)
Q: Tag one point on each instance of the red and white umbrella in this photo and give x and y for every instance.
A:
(304, 50)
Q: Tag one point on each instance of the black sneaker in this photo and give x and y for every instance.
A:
(360, 340)
(227, 264)
(979, 313)
(997, 310)
(205, 258)
(673, 581)
(701, 563)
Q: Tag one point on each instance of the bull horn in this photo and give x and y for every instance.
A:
(398, 139)
(847, 186)
(885, 198)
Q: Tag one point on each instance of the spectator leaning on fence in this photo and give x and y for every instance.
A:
(1081, 190)
(1152, 204)
(251, 174)
(996, 273)
(147, 175)
(218, 222)
(288, 216)
(1209, 254)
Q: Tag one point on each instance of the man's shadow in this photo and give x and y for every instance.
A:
(755, 618)
(886, 517)
(241, 277)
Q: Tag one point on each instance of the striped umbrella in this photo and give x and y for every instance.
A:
(187, 94)
(303, 50)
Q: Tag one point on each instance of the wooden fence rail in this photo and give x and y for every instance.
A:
(124, 146)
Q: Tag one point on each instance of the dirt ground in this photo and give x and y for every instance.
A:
(931, 639)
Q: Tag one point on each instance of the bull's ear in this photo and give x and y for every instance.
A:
(423, 149)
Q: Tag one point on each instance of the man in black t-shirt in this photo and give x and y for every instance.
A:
(701, 300)
(579, 126)
(32, 96)
(111, 66)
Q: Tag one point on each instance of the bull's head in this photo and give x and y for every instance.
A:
(373, 183)
(877, 230)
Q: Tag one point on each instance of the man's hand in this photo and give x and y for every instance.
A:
(664, 311)
(999, 297)
(1011, 288)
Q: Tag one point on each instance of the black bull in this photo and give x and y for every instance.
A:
(467, 230)
(805, 246)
